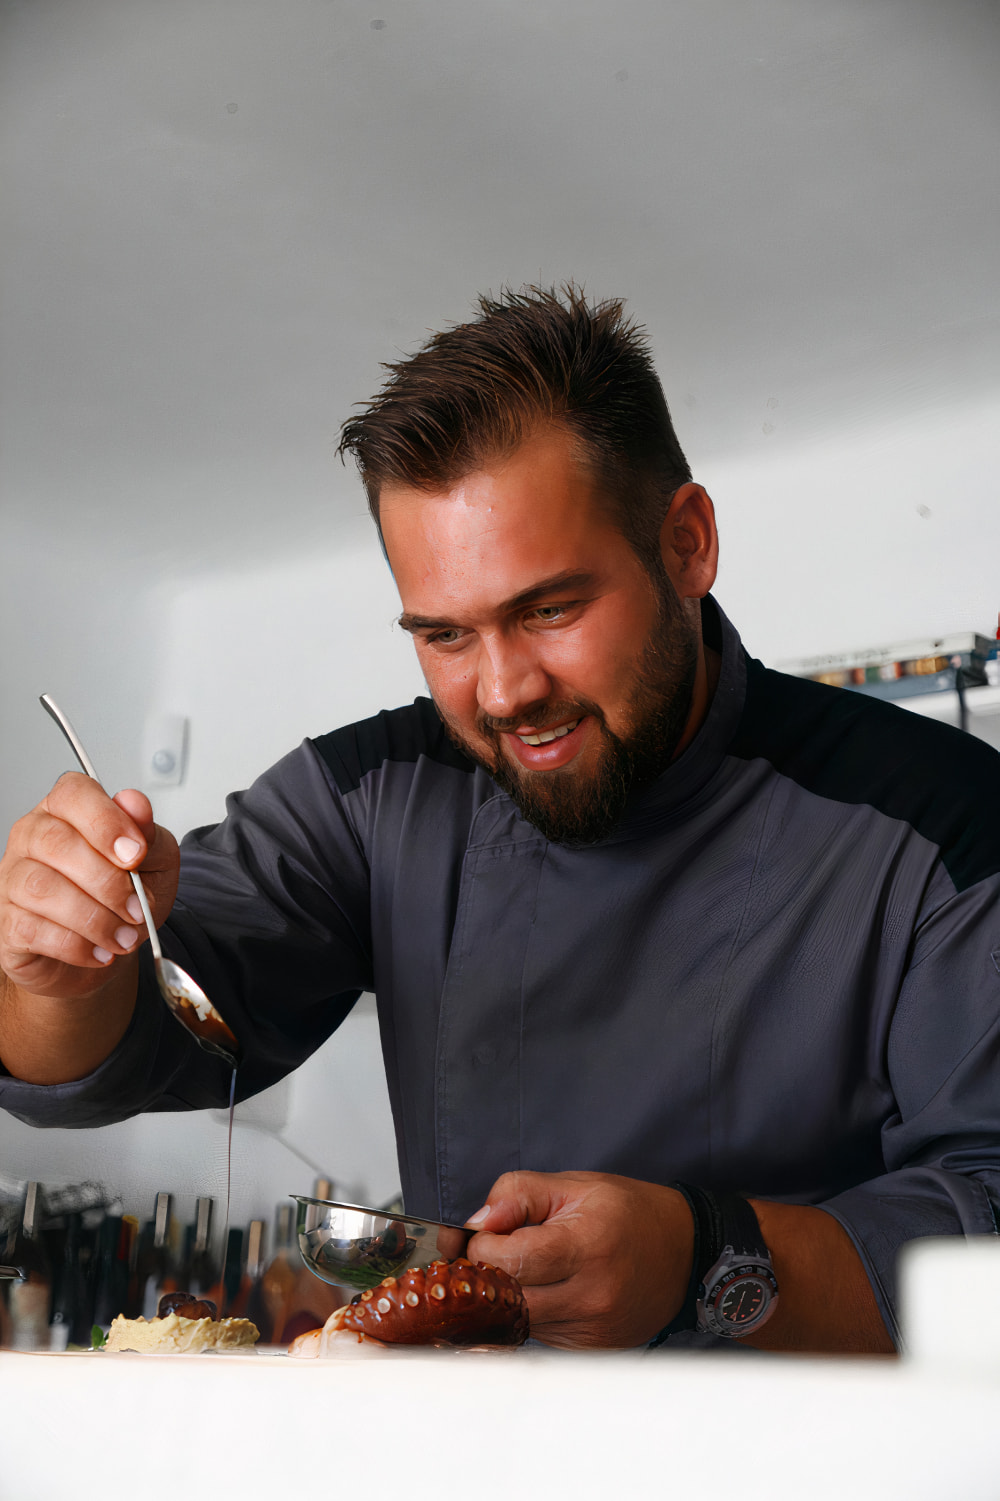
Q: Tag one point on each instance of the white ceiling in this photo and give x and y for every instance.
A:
(222, 214)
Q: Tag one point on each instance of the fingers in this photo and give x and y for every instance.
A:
(55, 861)
(450, 1243)
(47, 951)
(67, 901)
(535, 1255)
(52, 915)
(160, 868)
(107, 827)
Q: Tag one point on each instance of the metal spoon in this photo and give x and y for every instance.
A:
(186, 1000)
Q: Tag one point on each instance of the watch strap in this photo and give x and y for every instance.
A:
(725, 1219)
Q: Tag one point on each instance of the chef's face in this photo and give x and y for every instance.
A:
(554, 659)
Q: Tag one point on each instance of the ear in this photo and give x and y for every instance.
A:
(689, 542)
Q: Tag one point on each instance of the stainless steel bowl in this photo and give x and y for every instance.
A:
(352, 1246)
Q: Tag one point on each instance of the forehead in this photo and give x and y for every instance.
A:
(492, 534)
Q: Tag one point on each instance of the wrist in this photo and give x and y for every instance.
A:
(688, 1250)
(57, 1040)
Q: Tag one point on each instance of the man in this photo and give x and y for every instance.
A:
(656, 934)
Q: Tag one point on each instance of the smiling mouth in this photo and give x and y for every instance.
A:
(544, 736)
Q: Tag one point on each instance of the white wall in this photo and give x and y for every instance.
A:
(79, 626)
(876, 534)
(260, 657)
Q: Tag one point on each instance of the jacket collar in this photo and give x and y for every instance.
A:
(670, 796)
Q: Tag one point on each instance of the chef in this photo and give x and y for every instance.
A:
(688, 973)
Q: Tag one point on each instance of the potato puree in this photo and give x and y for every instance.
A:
(175, 1335)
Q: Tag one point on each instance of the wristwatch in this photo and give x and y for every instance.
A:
(733, 1289)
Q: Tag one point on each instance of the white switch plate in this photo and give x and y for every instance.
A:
(165, 750)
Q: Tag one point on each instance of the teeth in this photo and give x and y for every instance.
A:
(545, 736)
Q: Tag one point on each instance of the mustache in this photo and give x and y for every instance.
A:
(540, 716)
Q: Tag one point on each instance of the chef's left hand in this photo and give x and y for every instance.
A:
(604, 1261)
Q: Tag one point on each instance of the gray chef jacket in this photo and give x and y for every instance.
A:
(779, 975)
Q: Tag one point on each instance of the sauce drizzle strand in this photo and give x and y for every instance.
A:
(229, 1182)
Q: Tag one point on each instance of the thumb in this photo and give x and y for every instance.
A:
(138, 807)
(518, 1199)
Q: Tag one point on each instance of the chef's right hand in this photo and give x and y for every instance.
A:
(68, 908)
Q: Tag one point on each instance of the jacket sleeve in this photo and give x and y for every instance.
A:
(272, 919)
(941, 1146)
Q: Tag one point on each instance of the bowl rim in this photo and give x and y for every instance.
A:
(381, 1214)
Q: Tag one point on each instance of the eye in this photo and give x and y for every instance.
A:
(548, 613)
(449, 637)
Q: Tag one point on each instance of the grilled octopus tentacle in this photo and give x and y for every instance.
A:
(452, 1301)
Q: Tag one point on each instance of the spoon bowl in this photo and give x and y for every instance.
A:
(193, 1009)
(188, 1002)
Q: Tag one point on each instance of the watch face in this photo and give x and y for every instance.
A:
(743, 1300)
(739, 1299)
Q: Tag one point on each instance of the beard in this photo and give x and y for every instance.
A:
(578, 808)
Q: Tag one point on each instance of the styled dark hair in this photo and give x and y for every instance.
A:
(542, 355)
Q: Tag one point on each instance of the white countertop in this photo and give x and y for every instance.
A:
(442, 1424)
(532, 1423)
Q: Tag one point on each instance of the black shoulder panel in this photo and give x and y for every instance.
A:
(393, 735)
(854, 748)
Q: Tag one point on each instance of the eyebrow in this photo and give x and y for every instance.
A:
(557, 584)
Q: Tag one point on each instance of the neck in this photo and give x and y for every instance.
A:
(706, 678)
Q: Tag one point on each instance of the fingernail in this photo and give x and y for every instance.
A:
(102, 956)
(125, 936)
(479, 1216)
(126, 850)
(133, 908)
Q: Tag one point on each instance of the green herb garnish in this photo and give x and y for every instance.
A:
(98, 1338)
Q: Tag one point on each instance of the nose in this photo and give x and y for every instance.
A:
(511, 678)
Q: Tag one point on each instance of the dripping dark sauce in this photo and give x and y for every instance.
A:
(229, 1179)
(215, 1037)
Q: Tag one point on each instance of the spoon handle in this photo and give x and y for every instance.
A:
(50, 706)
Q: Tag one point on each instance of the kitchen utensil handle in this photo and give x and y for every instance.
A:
(50, 706)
